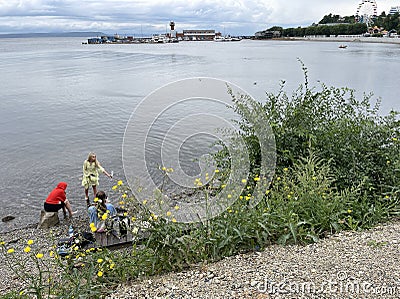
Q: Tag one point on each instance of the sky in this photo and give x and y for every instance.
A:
(139, 17)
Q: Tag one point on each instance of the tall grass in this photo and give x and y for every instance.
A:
(338, 167)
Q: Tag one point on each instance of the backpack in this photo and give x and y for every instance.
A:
(120, 225)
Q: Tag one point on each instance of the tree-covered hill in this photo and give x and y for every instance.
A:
(336, 25)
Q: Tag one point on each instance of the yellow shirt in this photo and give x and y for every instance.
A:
(91, 173)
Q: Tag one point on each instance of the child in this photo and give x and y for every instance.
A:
(57, 200)
(101, 207)
(91, 168)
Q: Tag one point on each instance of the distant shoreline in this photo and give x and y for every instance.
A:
(357, 39)
(55, 34)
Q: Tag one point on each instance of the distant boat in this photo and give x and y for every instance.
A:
(226, 38)
(342, 47)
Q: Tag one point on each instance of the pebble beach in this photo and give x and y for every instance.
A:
(349, 264)
(346, 265)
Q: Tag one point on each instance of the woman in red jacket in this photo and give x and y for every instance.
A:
(57, 200)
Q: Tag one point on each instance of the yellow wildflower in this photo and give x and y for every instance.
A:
(349, 211)
(223, 186)
(27, 249)
(119, 183)
(169, 213)
(112, 266)
(93, 228)
(164, 168)
(124, 195)
(104, 217)
(216, 170)
(30, 242)
(176, 208)
(100, 273)
(100, 261)
(51, 253)
(229, 196)
(285, 169)
(256, 179)
(114, 187)
(39, 255)
(144, 201)
(244, 181)
(173, 220)
(96, 199)
(11, 250)
(125, 214)
(133, 218)
(394, 139)
(170, 170)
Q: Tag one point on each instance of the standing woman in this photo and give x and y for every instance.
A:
(91, 168)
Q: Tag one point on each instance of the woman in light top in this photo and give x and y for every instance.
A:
(91, 169)
(96, 212)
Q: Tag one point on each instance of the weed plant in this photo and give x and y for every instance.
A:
(338, 167)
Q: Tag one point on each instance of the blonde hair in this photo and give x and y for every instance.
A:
(90, 157)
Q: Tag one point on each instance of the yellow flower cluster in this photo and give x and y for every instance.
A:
(198, 183)
(93, 227)
(167, 170)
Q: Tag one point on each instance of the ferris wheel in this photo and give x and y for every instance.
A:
(366, 12)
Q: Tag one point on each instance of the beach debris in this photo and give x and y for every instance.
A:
(7, 218)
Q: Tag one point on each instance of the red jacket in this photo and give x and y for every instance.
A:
(58, 194)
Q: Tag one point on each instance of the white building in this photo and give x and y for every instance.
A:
(394, 9)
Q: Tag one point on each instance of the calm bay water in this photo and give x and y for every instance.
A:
(60, 99)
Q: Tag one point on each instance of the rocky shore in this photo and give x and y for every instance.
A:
(43, 240)
(346, 265)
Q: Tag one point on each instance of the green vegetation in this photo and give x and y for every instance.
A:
(340, 29)
(338, 168)
(388, 22)
(332, 25)
(336, 19)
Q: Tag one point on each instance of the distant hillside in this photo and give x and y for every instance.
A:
(55, 34)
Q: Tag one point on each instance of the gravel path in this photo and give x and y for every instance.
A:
(346, 265)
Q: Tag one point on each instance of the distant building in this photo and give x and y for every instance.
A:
(394, 9)
(201, 35)
(267, 34)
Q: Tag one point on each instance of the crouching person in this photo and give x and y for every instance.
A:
(100, 212)
(57, 200)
